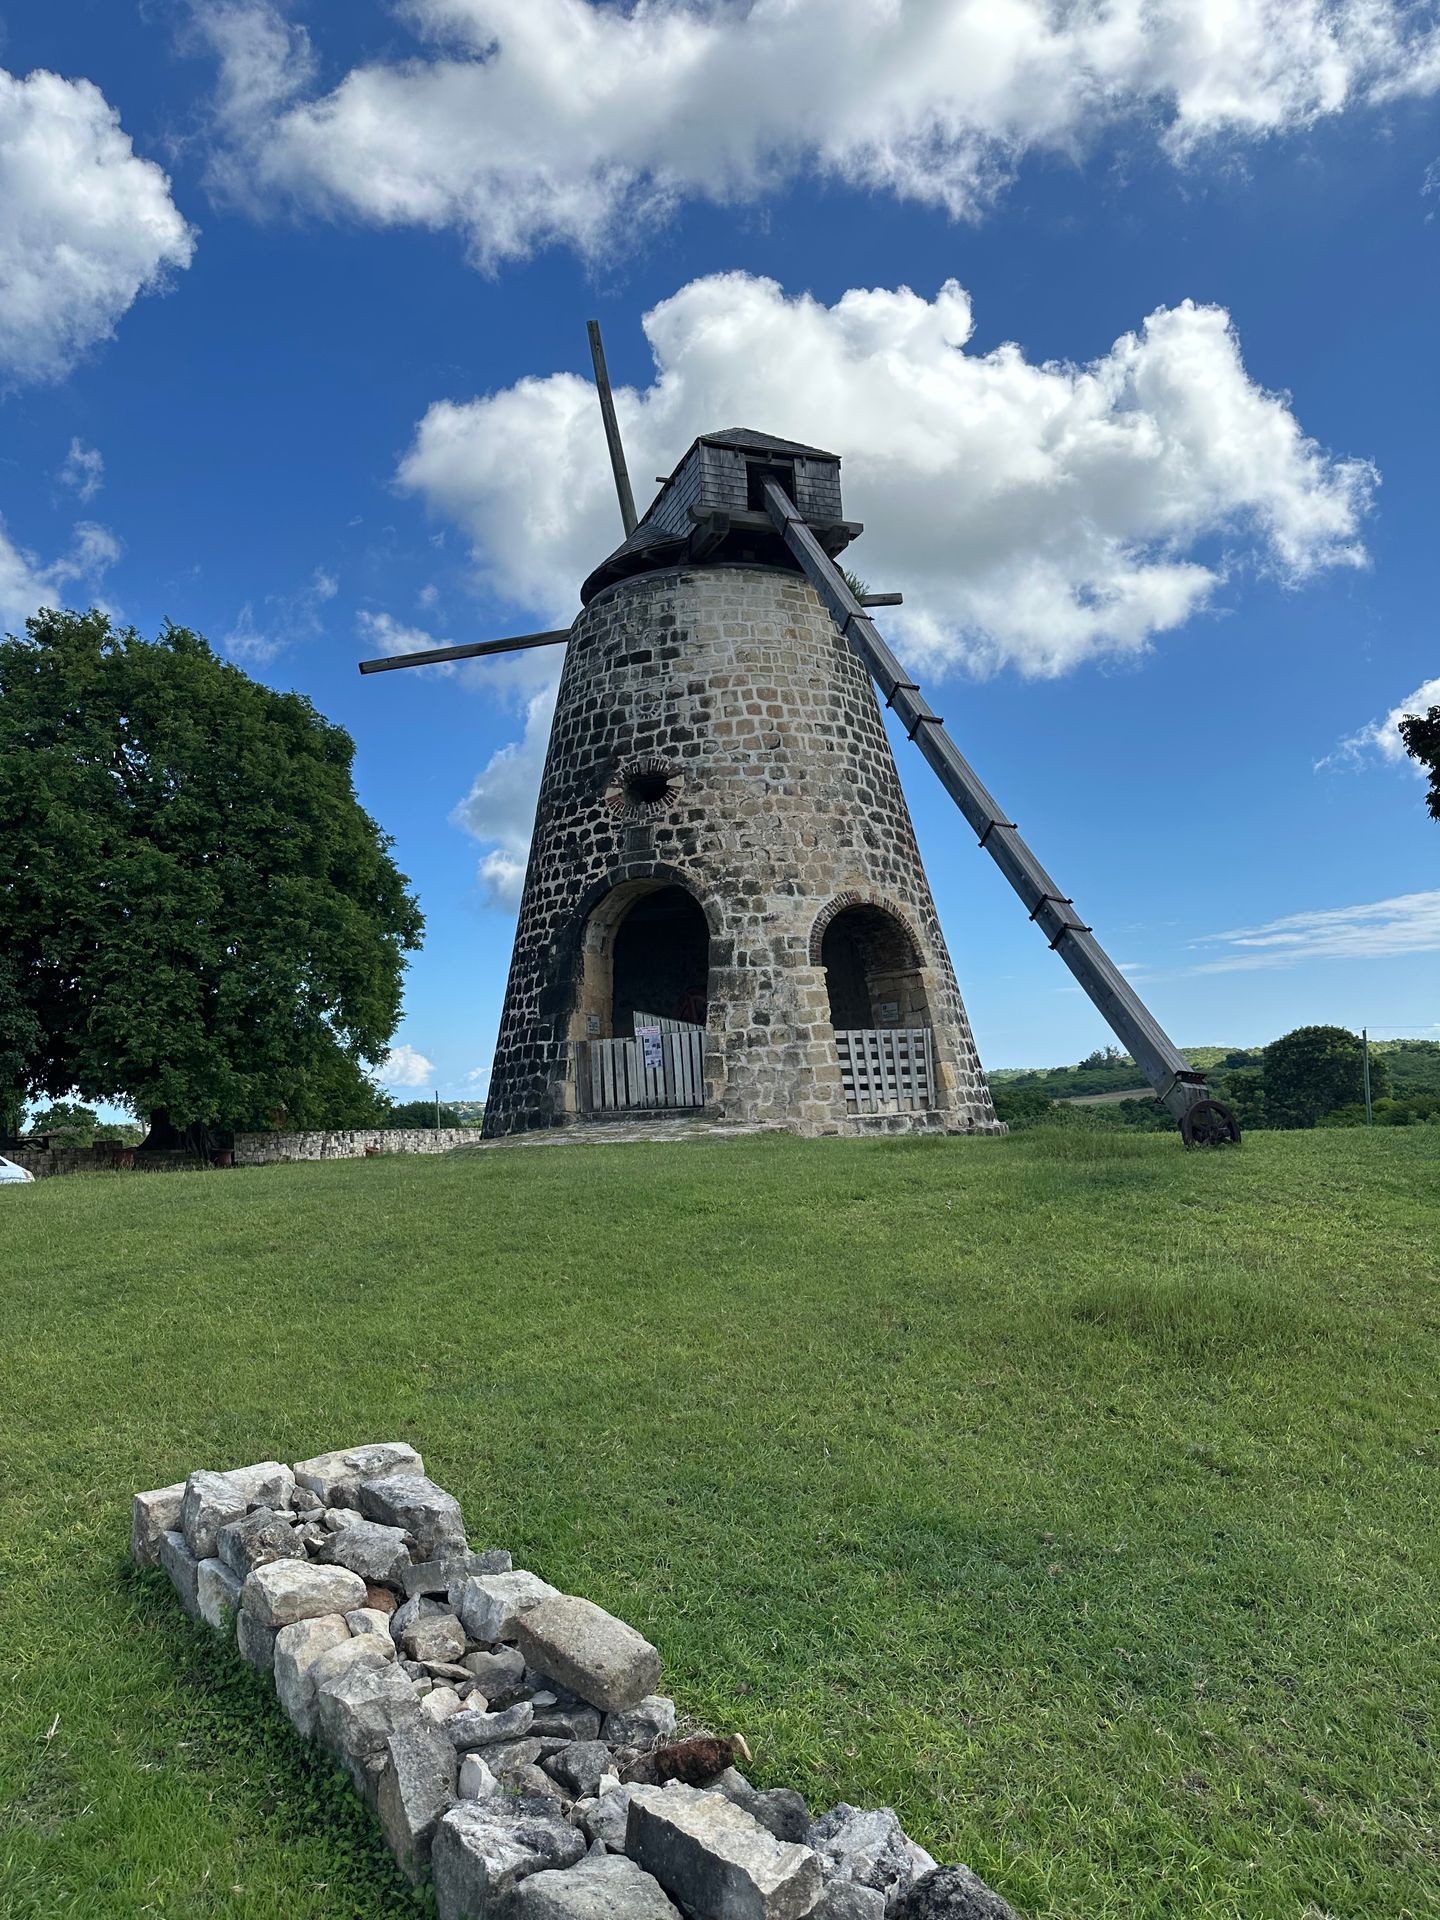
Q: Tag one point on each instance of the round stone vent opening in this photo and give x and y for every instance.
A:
(643, 788)
(649, 787)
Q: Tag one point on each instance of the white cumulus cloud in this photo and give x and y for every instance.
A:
(1383, 736)
(86, 224)
(28, 583)
(1035, 515)
(499, 809)
(83, 469)
(1381, 929)
(404, 1067)
(525, 122)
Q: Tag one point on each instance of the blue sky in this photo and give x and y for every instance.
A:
(298, 378)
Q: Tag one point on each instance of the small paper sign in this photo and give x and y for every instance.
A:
(649, 1038)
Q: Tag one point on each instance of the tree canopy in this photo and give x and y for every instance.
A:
(197, 917)
(1310, 1072)
(1421, 734)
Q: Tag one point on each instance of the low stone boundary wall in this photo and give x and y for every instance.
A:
(264, 1149)
(508, 1736)
(45, 1163)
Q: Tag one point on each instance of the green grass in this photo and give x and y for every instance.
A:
(1071, 1494)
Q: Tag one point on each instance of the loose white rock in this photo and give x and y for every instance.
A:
(183, 1569)
(416, 1787)
(484, 1848)
(297, 1649)
(604, 1887)
(152, 1514)
(865, 1846)
(217, 1593)
(209, 1500)
(256, 1642)
(645, 1725)
(588, 1651)
(358, 1708)
(410, 1501)
(711, 1856)
(257, 1536)
(269, 1483)
(376, 1553)
(952, 1893)
(489, 1604)
(606, 1817)
(845, 1901)
(284, 1591)
(435, 1639)
(369, 1620)
(440, 1704)
(476, 1779)
(335, 1477)
(468, 1730)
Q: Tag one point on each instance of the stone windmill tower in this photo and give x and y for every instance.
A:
(725, 910)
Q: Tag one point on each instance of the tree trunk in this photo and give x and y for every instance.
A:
(162, 1137)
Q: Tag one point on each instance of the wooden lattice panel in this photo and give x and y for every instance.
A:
(886, 1069)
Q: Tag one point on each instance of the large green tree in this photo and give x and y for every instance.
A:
(1310, 1072)
(1421, 734)
(196, 915)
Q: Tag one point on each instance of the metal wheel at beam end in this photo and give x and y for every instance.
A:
(1210, 1123)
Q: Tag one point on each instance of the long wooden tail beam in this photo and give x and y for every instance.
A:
(475, 650)
(1175, 1081)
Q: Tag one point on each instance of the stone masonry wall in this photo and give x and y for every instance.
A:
(46, 1163)
(264, 1149)
(508, 1737)
(784, 799)
(260, 1150)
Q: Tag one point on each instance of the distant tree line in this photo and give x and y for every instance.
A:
(1311, 1077)
(425, 1113)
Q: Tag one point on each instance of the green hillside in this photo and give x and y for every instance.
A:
(1406, 1088)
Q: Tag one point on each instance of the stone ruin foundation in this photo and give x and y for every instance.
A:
(509, 1738)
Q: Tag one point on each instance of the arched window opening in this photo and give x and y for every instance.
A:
(872, 972)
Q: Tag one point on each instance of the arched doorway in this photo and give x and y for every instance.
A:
(872, 971)
(641, 1007)
(661, 964)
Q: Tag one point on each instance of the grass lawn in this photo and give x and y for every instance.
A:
(1071, 1494)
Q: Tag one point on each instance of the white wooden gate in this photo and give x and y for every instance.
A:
(615, 1077)
(887, 1069)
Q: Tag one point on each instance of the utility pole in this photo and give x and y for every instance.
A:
(437, 1109)
(1365, 1043)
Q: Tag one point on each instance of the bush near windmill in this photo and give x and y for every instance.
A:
(201, 920)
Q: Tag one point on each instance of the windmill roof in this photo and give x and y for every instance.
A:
(754, 442)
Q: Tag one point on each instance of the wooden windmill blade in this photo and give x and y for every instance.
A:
(1180, 1086)
(522, 642)
(471, 650)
